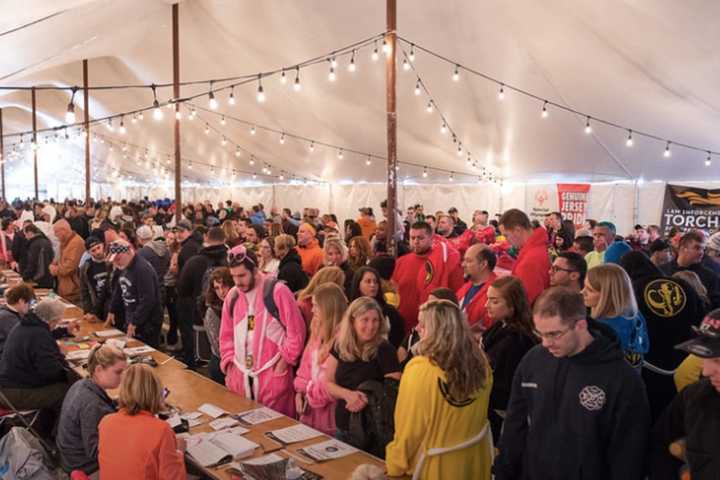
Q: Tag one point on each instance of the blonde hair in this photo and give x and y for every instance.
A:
(104, 356)
(335, 242)
(140, 390)
(324, 275)
(284, 241)
(231, 236)
(616, 292)
(450, 345)
(694, 280)
(348, 345)
(331, 303)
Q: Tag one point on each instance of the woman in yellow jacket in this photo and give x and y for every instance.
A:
(441, 426)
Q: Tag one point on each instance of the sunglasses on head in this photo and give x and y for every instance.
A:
(235, 259)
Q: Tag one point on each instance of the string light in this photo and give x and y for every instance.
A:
(708, 160)
(223, 142)
(331, 73)
(667, 152)
(312, 146)
(283, 77)
(374, 54)
(459, 150)
(456, 73)
(333, 62)
(122, 129)
(386, 47)
(340, 154)
(368, 161)
(296, 85)
(260, 91)
(178, 115)
(252, 130)
(237, 152)
(282, 138)
(212, 102)
(141, 116)
(231, 97)
(207, 129)
(444, 128)
(109, 125)
(157, 112)
(588, 128)
(282, 176)
(417, 88)
(222, 121)
(629, 142)
(425, 172)
(189, 165)
(252, 160)
(70, 114)
(451, 177)
(405, 65)
(134, 118)
(411, 56)
(501, 93)
(544, 113)
(352, 66)
(429, 107)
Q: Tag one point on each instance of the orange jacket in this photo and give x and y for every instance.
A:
(367, 226)
(312, 257)
(140, 447)
(68, 274)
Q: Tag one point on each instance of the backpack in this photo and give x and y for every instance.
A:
(372, 428)
(268, 298)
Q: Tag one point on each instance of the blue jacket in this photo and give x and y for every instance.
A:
(632, 335)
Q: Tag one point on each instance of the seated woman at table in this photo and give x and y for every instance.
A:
(360, 353)
(220, 284)
(85, 404)
(443, 401)
(33, 370)
(313, 403)
(133, 442)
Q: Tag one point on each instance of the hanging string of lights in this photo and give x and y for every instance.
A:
(629, 133)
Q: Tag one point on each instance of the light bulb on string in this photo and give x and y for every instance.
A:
(296, 84)
(282, 138)
(141, 116)
(260, 91)
(451, 177)
(157, 111)
(386, 47)
(190, 165)
(425, 172)
(444, 128)
(459, 150)
(429, 106)
(418, 91)
(708, 160)
(629, 142)
(340, 154)
(469, 160)
(501, 92)
(283, 77)
(252, 160)
(412, 53)
(223, 142)
(252, 130)
(368, 161)
(588, 128)
(207, 129)
(193, 114)
(331, 74)
(406, 65)
(178, 115)
(456, 73)
(667, 153)
(312, 146)
(544, 113)
(374, 54)
(122, 128)
(231, 97)
(212, 101)
(134, 118)
(70, 114)
(237, 152)
(109, 125)
(222, 121)
(333, 62)
(352, 67)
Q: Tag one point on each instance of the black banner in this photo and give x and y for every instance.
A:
(690, 207)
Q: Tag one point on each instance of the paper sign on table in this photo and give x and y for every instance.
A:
(258, 415)
(211, 410)
(328, 450)
(224, 422)
(294, 434)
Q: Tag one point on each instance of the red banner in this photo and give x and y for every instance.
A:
(573, 201)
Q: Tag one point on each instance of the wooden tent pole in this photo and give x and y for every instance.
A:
(391, 119)
(34, 142)
(86, 120)
(2, 157)
(176, 95)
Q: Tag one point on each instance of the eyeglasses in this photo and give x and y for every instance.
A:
(552, 336)
(555, 269)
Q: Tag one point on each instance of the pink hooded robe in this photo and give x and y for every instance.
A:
(310, 380)
(272, 339)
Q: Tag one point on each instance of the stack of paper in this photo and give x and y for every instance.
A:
(258, 415)
(135, 351)
(294, 434)
(77, 355)
(328, 450)
(222, 423)
(113, 332)
(211, 410)
(211, 449)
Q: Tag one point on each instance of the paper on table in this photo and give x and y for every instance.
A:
(78, 355)
(295, 433)
(224, 422)
(264, 460)
(191, 415)
(117, 342)
(133, 351)
(328, 450)
(174, 421)
(210, 449)
(258, 415)
(113, 332)
(211, 410)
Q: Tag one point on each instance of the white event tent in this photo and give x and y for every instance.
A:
(644, 67)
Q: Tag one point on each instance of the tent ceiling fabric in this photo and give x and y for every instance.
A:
(652, 66)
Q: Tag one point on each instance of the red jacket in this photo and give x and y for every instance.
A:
(471, 237)
(475, 310)
(416, 276)
(533, 265)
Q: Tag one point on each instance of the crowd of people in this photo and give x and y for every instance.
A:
(519, 348)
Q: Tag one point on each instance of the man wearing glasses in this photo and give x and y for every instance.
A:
(577, 408)
(568, 270)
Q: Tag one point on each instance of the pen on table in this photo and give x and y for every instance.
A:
(167, 360)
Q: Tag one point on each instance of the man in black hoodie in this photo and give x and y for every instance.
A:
(577, 408)
(190, 287)
(39, 256)
(190, 244)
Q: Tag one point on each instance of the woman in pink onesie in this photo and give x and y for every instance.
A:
(314, 404)
(258, 350)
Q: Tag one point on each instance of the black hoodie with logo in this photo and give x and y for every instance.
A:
(580, 417)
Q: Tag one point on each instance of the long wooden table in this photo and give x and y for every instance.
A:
(188, 390)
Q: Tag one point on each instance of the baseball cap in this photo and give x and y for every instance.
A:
(91, 241)
(658, 245)
(144, 233)
(707, 343)
(714, 242)
(182, 224)
(117, 247)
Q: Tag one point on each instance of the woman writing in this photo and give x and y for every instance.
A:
(507, 341)
(314, 404)
(447, 384)
(134, 443)
(85, 404)
(360, 353)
